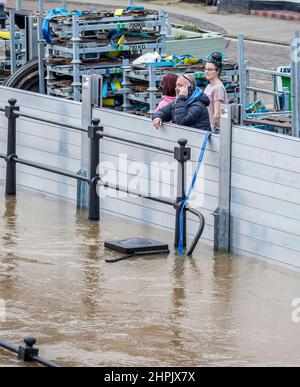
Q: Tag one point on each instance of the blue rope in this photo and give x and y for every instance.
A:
(202, 153)
(46, 30)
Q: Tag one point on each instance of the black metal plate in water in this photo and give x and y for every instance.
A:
(137, 245)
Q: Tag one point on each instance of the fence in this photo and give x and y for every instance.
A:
(249, 184)
(181, 154)
(280, 97)
(134, 127)
(264, 195)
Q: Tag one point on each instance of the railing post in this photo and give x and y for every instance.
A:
(182, 154)
(295, 74)
(11, 147)
(230, 114)
(242, 72)
(94, 200)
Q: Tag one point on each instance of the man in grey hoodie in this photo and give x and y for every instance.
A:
(190, 108)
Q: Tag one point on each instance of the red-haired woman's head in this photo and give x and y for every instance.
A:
(169, 84)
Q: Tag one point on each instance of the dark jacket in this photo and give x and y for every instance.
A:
(190, 111)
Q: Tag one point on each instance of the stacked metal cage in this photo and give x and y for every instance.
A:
(141, 86)
(98, 43)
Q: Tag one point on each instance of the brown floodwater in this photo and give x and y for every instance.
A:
(215, 310)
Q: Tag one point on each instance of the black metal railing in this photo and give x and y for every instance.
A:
(95, 132)
(28, 353)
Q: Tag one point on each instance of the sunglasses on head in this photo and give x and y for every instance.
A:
(185, 77)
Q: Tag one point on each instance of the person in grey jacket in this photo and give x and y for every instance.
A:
(190, 108)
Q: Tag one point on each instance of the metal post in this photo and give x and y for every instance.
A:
(229, 113)
(152, 89)
(76, 59)
(276, 104)
(285, 99)
(41, 7)
(163, 33)
(94, 200)
(18, 5)
(295, 74)
(64, 4)
(126, 85)
(41, 54)
(242, 70)
(31, 38)
(247, 72)
(12, 30)
(182, 154)
(11, 147)
(91, 86)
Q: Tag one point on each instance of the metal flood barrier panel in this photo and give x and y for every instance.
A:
(250, 178)
(40, 142)
(66, 149)
(265, 196)
(141, 129)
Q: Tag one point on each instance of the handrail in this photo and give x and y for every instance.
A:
(28, 353)
(199, 232)
(60, 124)
(105, 135)
(46, 168)
(78, 128)
(166, 201)
(267, 92)
(269, 72)
(95, 133)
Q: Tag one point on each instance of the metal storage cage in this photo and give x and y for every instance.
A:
(141, 85)
(98, 42)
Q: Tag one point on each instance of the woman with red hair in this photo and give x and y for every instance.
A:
(169, 92)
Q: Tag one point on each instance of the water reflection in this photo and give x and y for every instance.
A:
(211, 309)
(7, 249)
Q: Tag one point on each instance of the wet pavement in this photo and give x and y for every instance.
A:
(215, 310)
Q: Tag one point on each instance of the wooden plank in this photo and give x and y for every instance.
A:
(276, 124)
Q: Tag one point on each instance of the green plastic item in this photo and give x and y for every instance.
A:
(286, 83)
(199, 75)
